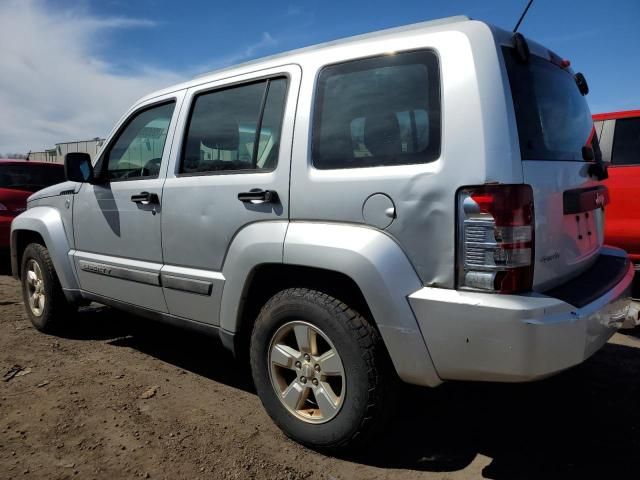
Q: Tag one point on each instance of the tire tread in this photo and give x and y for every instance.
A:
(58, 307)
(381, 375)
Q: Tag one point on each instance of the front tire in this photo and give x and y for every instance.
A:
(44, 300)
(321, 370)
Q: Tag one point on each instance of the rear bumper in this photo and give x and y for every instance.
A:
(489, 337)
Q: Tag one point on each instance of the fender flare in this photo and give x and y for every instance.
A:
(386, 278)
(256, 244)
(47, 222)
(372, 259)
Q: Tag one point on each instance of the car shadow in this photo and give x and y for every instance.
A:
(583, 423)
(632, 332)
(197, 353)
(96, 322)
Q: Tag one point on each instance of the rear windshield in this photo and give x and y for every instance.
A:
(554, 121)
(30, 177)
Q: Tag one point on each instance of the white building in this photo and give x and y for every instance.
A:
(56, 155)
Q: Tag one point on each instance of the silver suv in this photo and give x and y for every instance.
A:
(421, 203)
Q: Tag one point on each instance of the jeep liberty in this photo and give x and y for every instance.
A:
(422, 203)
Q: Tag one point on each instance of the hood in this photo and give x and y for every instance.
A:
(55, 190)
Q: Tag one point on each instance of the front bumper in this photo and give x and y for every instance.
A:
(512, 338)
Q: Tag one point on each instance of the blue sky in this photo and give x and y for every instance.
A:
(130, 44)
(602, 39)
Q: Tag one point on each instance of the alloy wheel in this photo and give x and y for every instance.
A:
(35, 288)
(306, 372)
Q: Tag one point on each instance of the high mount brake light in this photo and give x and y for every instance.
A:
(495, 238)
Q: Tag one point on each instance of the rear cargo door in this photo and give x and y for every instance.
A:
(558, 147)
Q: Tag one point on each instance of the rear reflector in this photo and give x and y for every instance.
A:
(495, 238)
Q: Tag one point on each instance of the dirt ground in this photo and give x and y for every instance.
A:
(74, 410)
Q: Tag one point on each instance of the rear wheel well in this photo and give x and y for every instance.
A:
(24, 238)
(267, 280)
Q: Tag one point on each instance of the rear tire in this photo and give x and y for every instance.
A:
(324, 400)
(44, 300)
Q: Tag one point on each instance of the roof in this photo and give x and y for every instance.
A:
(266, 62)
(616, 115)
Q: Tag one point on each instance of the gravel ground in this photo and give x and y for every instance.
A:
(75, 409)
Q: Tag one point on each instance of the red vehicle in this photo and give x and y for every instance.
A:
(18, 180)
(619, 136)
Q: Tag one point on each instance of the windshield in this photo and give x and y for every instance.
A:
(553, 117)
(30, 177)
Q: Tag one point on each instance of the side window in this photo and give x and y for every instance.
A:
(235, 129)
(137, 151)
(626, 142)
(378, 111)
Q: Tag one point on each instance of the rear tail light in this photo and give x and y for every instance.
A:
(495, 238)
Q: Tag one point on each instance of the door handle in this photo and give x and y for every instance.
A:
(257, 195)
(145, 198)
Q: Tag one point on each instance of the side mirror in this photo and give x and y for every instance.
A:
(77, 167)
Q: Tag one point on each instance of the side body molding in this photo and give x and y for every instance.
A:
(47, 222)
(386, 278)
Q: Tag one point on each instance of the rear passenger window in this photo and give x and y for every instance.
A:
(378, 111)
(626, 142)
(235, 129)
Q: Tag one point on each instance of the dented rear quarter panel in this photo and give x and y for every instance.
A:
(479, 145)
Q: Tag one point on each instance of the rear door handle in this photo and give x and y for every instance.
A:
(145, 198)
(257, 195)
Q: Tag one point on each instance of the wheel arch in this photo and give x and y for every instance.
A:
(361, 266)
(22, 239)
(43, 225)
(265, 280)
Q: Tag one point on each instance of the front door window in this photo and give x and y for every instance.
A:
(137, 151)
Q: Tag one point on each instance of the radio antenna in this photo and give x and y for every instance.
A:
(522, 16)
